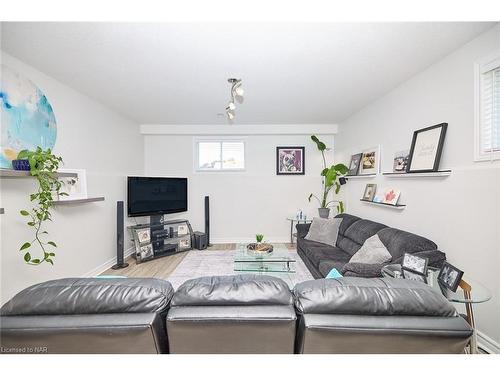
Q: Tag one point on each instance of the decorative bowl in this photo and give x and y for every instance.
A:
(260, 247)
(21, 165)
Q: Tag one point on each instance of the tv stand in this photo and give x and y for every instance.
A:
(161, 238)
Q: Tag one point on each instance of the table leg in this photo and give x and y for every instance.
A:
(291, 232)
(470, 316)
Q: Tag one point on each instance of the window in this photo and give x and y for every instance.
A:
(220, 155)
(487, 123)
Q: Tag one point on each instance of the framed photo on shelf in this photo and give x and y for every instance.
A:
(426, 149)
(184, 244)
(369, 193)
(146, 252)
(370, 161)
(391, 196)
(450, 276)
(182, 230)
(290, 160)
(143, 235)
(415, 264)
(75, 187)
(400, 161)
(354, 164)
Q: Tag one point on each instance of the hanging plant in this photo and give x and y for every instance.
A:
(43, 165)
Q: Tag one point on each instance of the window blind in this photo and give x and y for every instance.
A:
(490, 111)
(221, 155)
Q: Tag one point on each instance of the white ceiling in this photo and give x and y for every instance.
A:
(176, 73)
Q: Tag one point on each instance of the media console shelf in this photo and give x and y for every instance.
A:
(11, 173)
(75, 201)
(444, 173)
(395, 206)
(159, 239)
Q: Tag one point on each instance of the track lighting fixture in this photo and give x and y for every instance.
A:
(236, 91)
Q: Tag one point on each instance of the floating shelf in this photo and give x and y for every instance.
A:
(418, 174)
(2, 211)
(371, 175)
(11, 173)
(76, 201)
(396, 207)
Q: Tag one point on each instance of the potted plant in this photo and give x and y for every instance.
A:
(259, 237)
(333, 178)
(43, 165)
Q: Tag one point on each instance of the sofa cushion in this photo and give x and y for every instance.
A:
(373, 251)
(325, 266)
(399, 242)
(324, 230)
(347, 221)
(318, 254)
(360, 296)
(356, 235)
(91, 296)
(233, 290)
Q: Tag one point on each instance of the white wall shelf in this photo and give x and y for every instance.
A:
(372, 175)
(76, 201)
(396, 207)
(444, 173)
(11, 173)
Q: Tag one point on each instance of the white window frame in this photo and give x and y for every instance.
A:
(480, 67)
(196, 149)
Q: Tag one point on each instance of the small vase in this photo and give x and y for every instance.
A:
(20, 165)
(324, 212)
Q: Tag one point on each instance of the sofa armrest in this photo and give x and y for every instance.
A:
(302, 230)
(363, 269)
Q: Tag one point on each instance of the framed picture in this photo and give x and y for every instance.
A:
(182, 230)
(391, 196)
(290, 160)
(354, 164)
(414, 276)
(400, 161)
(426, 148)
(379, 197)
(146, 252)
(184, 244)
(450, 276)
(415, 263)
(143, 235)
(75, 187)
(370, 161)
(369, 193)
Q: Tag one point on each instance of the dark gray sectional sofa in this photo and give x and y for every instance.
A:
(320, 258)
(232, 314)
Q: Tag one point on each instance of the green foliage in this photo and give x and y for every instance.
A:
(330, 178)
(259, 237)
(43, 165)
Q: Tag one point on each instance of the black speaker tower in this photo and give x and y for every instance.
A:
(207, 219)
(119, 237)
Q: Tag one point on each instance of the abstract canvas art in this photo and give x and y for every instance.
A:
(28, 120)
(290, 160)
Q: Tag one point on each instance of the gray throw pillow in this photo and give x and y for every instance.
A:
(324, 230)
(373, 251)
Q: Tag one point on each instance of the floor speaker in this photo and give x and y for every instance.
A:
(119, 237)
(207, 219)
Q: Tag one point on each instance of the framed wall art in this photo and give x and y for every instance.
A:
(290, 160)
(426, 149)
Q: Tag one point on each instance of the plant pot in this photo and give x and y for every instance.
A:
(324, 212)
(20, 165)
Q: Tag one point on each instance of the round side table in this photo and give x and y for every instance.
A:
(293, 220)
(469, 292)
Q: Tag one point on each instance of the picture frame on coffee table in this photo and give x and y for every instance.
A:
(415, 263)
(409, 275)
(426, 148)
(449, 276)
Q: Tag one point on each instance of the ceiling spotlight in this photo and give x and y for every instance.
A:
(231, 106)
(239, 91)
(236, 91)
(230, 115)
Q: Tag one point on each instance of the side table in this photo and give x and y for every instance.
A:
(293, 220)
(469, 292)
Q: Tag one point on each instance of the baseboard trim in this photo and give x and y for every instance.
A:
(218, 240)
(107, 265)
(487, 343)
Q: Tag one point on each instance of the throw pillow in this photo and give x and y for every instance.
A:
(324, 230)
(373, 251)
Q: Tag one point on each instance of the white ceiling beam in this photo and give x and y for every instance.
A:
(294, 129)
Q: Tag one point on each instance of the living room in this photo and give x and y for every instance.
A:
(298, 187)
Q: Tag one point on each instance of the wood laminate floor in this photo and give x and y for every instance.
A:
(162, 267)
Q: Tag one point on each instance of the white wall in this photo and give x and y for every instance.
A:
(461, 213)
(89, 137)
(241, 203)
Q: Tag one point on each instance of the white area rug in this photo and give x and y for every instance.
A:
(221, 262)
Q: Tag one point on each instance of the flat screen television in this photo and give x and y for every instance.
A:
(149, 196)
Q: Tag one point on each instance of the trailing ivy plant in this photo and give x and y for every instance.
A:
(43, 165)
(331, 176)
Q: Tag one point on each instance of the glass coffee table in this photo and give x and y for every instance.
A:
(279, 261)
(469, 292)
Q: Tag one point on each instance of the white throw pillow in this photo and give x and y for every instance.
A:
(373, 251)
(324, 230)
